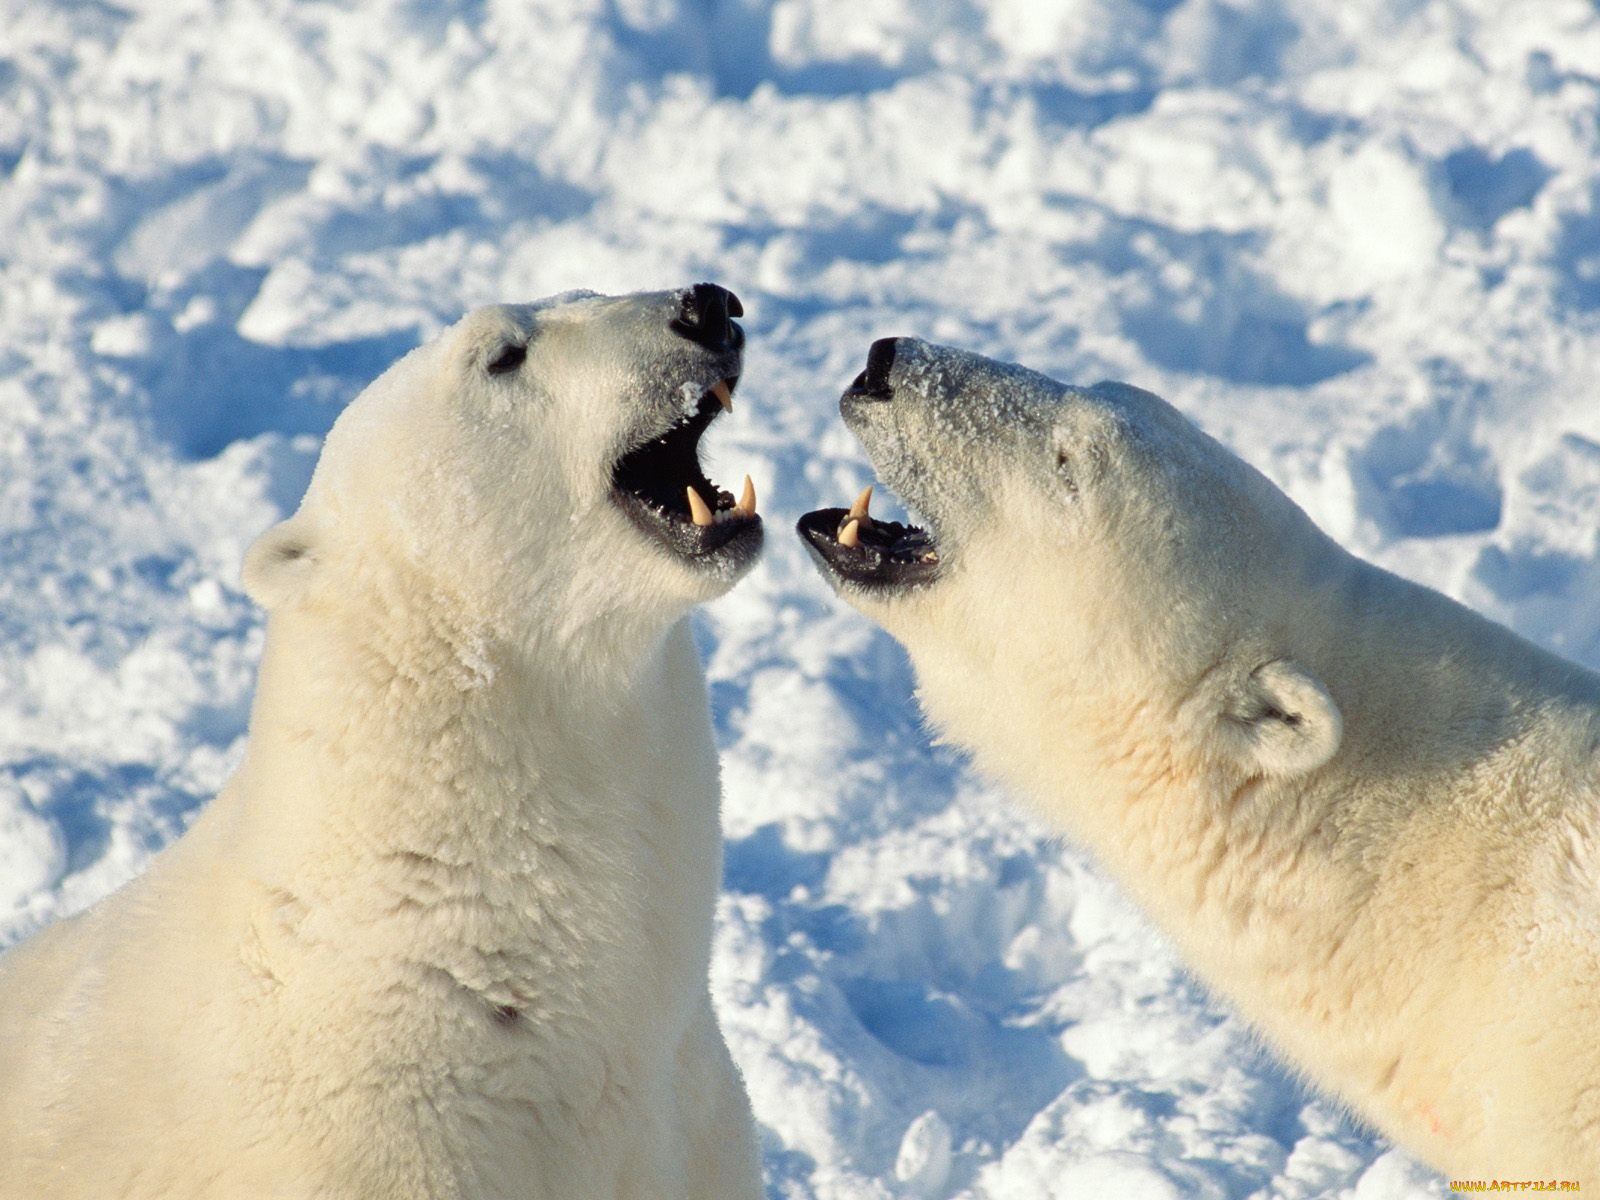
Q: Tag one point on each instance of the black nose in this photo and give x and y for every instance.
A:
(705, 315)
(874, 381)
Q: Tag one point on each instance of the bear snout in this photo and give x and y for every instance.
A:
(873, 383)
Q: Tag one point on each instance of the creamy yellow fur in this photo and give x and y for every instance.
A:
(1367, 816)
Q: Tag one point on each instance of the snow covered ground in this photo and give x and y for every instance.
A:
(1356, 239)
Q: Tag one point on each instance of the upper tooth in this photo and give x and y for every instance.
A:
(858, 510)
(850, 535)
(747, 500)
(723, 393)
(699, 513)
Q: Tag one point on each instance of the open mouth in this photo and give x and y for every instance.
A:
(852, 545)
(661, 486)
(858, 548)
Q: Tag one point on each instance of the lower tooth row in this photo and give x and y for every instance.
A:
(701, 513)
(859, 518)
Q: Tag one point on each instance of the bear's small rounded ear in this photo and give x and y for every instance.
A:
(280, 563)
(1282, 721)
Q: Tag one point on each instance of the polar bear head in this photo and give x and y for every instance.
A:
(1094, 570)
(532, 467)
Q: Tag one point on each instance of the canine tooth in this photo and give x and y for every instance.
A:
(747, 500)
(724, 395)
(699, 513)
(932, 556)
(858, 510)
(850, 535)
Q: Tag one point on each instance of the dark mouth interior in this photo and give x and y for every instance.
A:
(886, 553)
(661, 471)
(653, 481)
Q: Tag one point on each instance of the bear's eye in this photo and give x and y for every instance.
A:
(1064, 469)
(509, 358)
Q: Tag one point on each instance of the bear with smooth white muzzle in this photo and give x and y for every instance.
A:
(445, 934)
(1367, 816)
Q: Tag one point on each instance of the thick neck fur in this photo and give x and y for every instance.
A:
(1365, 815)
(1247, 872)
(471, 778)
(1454, 690)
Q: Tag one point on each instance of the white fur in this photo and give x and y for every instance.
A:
(446, 932)
(1367, 816)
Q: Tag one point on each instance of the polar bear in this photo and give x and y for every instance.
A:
(1367, 816)
(446, 931)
